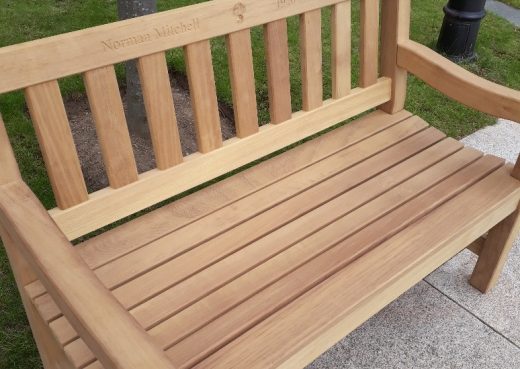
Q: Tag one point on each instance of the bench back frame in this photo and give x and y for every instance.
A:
(36, 67)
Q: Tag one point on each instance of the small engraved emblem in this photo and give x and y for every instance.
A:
(285, 3)
(238, 10)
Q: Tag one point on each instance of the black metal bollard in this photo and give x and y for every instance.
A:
(460, 28)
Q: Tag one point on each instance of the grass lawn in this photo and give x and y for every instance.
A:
(513, 3)
(499, 60)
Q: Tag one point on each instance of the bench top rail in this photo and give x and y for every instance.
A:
(56, 57)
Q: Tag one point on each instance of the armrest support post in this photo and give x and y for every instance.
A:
(395, 27)
(109, 330)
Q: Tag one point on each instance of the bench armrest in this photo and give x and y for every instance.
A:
(108, 329)
(458, 83)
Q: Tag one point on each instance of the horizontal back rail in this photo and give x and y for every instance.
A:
(109, 205)
(64, 55)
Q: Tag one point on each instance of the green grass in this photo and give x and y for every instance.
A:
(513, 3)
(499, 60)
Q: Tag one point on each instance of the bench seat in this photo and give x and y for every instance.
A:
(272, 266)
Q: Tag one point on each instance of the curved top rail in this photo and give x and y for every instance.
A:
(59, 56)
(458, 83)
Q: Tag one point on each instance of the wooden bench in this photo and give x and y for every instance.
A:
(273, 265)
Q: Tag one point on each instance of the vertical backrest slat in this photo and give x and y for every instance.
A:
(395, 27)
(57, 145)
(9, 171)
(311, 59)
(278, 75)
(112, 131)
(160, 111)
(199, 67)
(240, 60)
(341, 49)
(369, 45)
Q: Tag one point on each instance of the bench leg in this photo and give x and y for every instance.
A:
(51, 352)
(494, 253)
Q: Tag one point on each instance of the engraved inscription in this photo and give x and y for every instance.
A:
(238, 10)
(285, 3)
(169, 30)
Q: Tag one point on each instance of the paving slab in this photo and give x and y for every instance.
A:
(505, 11)
(501, 139)
(500, 308)
(422, 329)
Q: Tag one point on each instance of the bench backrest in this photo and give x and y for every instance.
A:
(36, 67)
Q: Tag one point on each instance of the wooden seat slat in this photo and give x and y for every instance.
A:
(160, 111)
(199, 68)
(370, 282)
(226, 327)
(241, 73)
(57, 145)
(112, 131)
(112, 244)
(185, 239)
(278, 73)
(212, 296)
(189, 290)
(363, 224)
(288, 254)
(341, 35)
(128, 237)
(311, 59)
(188, 237)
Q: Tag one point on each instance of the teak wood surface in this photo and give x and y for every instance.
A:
(228, 275)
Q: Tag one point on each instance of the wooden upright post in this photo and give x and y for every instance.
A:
(395, 27)
(9, 171)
